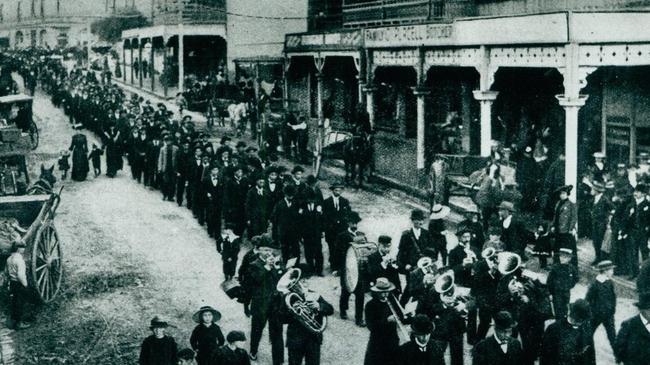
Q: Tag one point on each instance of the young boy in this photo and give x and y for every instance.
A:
(561, 279)
(64, 164)
(231, 353)
(94, 156)
(17, 271)
(231, 244)
(186, 357)
(602, 300)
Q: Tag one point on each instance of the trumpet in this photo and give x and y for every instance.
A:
(427, 265)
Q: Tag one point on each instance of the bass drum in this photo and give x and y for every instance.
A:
(356, 261)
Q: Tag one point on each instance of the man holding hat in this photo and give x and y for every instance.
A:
(17, 272)
(335, 209)
(500, 348)
(158, 348)
(231, 353)
(569, 341)
(421, 349)
(564, 222)
(414, 242)
(600, 211)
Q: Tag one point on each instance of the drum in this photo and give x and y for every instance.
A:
(356, 261)
(232, 288)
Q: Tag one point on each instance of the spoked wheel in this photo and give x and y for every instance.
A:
(33, 135)
(46, 263)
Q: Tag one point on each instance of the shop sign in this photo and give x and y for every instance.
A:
(618, 131)
(412, 35)
(324, 41)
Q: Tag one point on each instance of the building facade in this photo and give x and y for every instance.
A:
(495, 69)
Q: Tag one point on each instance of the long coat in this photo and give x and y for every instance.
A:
(79, 148)
(565, 345)
(489, 352)
(257, 211)
(633, 342)
(383, 344)
(156, 351)
(411, 249)
(410, 354)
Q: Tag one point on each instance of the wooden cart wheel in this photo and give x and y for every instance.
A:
(46, 263)
(33, 135)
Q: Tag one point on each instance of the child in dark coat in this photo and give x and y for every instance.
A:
(230, 244)
(231, 353)
(543, 246)
(94, 156)
(64, 164)
(602, 300)
(206, 336)
(561, 279)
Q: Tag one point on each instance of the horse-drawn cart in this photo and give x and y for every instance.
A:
(16, 110)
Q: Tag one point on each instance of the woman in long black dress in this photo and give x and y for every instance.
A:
(114, 160)
(79, 148)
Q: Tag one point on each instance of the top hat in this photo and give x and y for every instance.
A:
(421, 325)
(605, 265)
(158, 322)
(382, 285)
(216, 315)
(234, 336)
(439, 211)
(417, 215)
(503, 320)
(506, 205)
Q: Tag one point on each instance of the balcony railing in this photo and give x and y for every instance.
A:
(362, 13)
(510, 7)
(189, 12)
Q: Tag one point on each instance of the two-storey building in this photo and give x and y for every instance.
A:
(451, 76)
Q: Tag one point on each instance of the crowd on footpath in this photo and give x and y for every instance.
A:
(440, 291)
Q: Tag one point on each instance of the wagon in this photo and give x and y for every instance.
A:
(43, 253)
(17, 110)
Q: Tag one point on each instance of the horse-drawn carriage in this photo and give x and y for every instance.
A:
(27, 215)
(17, 110)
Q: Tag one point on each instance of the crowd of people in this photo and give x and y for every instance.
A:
(440, 291)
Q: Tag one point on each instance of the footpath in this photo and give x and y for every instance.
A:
(332, 172)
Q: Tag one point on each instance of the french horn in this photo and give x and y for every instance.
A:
(295, 299)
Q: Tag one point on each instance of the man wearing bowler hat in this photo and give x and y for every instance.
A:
(500, 348)
(335, 208)
(564, 222)
(421, 349)
(633, 339)
(569, 341)
(514, 234)
(158, 348)
(414, 242)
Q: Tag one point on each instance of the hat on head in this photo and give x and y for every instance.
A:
(251, 149)
(186, 354)
(503, 320)
(599, 155)
(234, 336)
(158, 322)
(566, 188)
(382, 285)
(384, 239)
(421, 325)
(225, 139)
(216, 315)
(640, 187)
(417, 215)
(439, 211)
(464, 229)
(241, 144)
(566, 251)
(187, 117)
(579, 310)
(268, 242)
(598, 186)
(494, 230)
(297, 168)
(289, 190)
(621, 165)
(271, 169)
(506, 205)
(337, 185)
(352, 217)
(605, 265)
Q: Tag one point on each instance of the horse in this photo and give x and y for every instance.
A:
(238, 113)
(357, 154)
(45, 182)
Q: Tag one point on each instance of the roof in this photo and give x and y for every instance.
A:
(14, 98)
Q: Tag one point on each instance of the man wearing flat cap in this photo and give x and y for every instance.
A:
(158, 348)
(633, 339)
(421, 349)
(500, 348)
(413, 243)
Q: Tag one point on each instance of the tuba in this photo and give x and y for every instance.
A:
(295, 299)
(449, 295)
(522, 284)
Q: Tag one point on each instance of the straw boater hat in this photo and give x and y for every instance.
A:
(605, 265)
(566, 251)
(439, 211)
(599, 155)
(216, 315)
(382, 285)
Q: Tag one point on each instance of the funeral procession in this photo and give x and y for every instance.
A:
(336, 182)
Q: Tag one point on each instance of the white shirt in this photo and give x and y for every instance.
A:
(502, 344)
(335, 199)
(271, 186)
(17, 269)
(288, 202)
(416, 232)
(601, 278)
(507, 221)
(646, 323)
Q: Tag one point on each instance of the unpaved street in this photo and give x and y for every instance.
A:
(128, 256)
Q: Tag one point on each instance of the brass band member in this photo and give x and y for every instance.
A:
(343, 243)
(383, 344)
(382, 265)
(484, 287)
(449, 315)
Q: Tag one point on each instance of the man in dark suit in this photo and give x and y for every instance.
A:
(344, 240)
(462, 259)
(184, 167)
(638, 224)
(151, 162)
(296, 180)
(335, 209)
(380, 265)
(568, 341)
(600, 212)
(235, 200)
(564, 222)
(213, 188)
(273, 186)
(312, 234)
(257, 207)
(285, 219)
(199, 206)
(633, 339)
(501, 348)
(514, 234)
(484, 286)
(194, 170)
(421, 349)
(413, 243)
(167, 168)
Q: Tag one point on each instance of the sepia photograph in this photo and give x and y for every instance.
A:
(335, 182)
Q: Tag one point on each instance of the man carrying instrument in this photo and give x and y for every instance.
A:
(383, 344)
(484, 286)
(449, 316)
(462, 259)
(413, 243)
(381, 265)
(263, 277)
(344, 240)
(302, 341)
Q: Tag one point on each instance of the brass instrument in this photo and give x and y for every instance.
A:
(523, 284)
(449, 294)
(297, 299)
(398, 314)
(427, 265)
